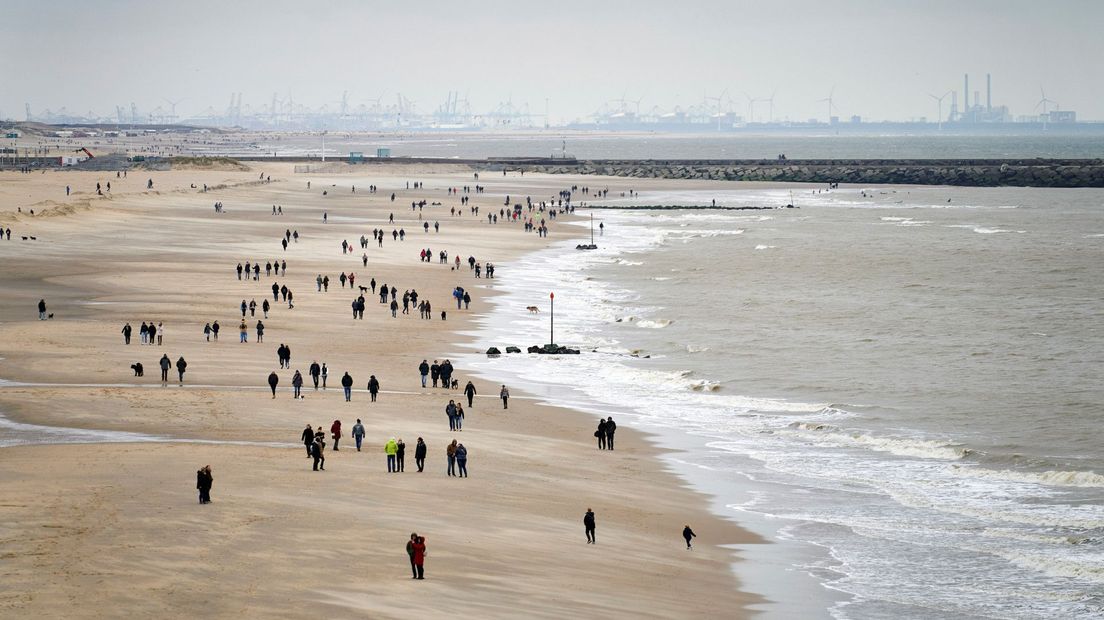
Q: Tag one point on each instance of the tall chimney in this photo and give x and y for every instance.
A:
(988, 94)
(966, 93)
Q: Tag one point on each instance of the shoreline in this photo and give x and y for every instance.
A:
(127, 413)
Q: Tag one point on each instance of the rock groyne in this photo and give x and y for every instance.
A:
(961, 172)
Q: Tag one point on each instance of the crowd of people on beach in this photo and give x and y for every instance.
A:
(438, 375)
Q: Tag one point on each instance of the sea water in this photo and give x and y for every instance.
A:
(899, 387)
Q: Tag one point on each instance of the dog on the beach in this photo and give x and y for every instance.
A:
(364, 289)
(50, 316)
(138, 371)
(456, 384)
(533, 309)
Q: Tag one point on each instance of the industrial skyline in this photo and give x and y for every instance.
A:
(727, 109)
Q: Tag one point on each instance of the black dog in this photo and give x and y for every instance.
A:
(364, 289)
(456, 384)
(138, 372)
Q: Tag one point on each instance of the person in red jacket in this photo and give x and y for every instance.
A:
(419, 549)
(335, 430)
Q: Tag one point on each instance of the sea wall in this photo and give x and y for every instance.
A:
(963, 172)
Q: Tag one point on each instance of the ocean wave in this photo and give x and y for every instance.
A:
(765, 247)
(621, 261)
(705, 386)
(922, 448)
(985, 230)
(656, 324)
(1049, 478)
(696, 349)
(1081, 568)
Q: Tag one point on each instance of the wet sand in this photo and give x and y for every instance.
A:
(115, 529)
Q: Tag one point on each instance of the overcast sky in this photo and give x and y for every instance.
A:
(882, 57)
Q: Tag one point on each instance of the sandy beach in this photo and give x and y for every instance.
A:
(115, 530)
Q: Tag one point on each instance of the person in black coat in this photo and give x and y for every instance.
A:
(204, 481)
(347, 384)
(688, 533)
(166, 364)
(400, 455)
(308, 438)
(181, 366)
(127, 329)
(588, 523)
(420, 454)
(423, 369)
(373, 387)
(273, 381)
(316, 452)
(601, 434)
(469, 391)
(611, 428)
(315, 370)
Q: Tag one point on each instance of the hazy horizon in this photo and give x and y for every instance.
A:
(880, 59)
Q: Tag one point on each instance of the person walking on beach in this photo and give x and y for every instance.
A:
(41, 309)
(260, 331)
(204, 480)
(152, 332)
(215, 330)
(316, 452)
(347, 385)
(469, 391)
(423, 369)
(435, 372)
(335, 432)
(601, 434)
(450, 411)
(373, 387)
(358, 433)
(688, 533)
(297, 384)
(400, 455)
(611, 428)
(504, 394)
(391, 448)
(325, 375)
(315, 370)
(243, 331)
(273, 381)
(127, 329)
(410, 554)
(420, 454)
(308, 439)
(462, 460)
(450, 452)
(206, 332)
(166, 364)
(419, 548)
(143, 332)
(181, 366)
(588, 523)
(160, 333)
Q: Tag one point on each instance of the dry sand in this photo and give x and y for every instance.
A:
(114, 529)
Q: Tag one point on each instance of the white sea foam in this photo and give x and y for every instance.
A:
(1049, 478)
(765, 247)
(656, 324)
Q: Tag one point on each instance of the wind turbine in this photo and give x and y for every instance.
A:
(770, 107)
(1043, 102)
(940, 100)
(172, 106)
(751, 107)
(830, 104)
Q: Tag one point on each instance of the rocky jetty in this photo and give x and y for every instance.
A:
(960, 172)
(553, 349)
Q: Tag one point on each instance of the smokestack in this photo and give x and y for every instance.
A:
(988, 94)
(966, 93)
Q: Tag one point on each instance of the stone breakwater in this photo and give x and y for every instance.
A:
(962, 172)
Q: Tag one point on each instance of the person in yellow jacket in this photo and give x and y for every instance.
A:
(391, 448)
